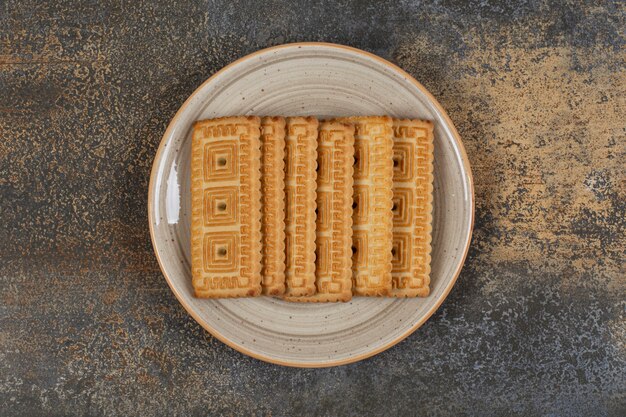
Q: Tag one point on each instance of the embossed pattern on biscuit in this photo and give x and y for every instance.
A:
(335, 159)
(372, 217)
(273, 204)
(300, 184)
(412, 207)
(225, 205)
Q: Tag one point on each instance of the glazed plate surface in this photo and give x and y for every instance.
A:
(323, 80)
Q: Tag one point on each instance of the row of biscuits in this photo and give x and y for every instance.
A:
(311, 211)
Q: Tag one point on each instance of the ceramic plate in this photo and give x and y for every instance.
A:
(324, 80)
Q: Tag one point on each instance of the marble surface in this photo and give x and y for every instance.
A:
(535, 324)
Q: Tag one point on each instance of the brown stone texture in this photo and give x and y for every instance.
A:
(535, 324)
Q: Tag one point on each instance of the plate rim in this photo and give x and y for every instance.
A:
(329, 363)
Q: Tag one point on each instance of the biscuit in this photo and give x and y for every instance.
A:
(225, 205)
(372, 217)
(333, 272)
(273, 204)
(300, 184)
(412, 206)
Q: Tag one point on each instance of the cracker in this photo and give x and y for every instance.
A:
(372, 217)
(225, 205)
(300, 184)
(273, 204)
(335, 160)
(412, 207)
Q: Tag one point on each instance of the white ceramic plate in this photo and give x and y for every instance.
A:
(324, 80)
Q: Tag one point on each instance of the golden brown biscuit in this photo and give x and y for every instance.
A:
(300, 184)
(225, 205)
(412, 206)
(273, 204)
(372, 217)
(335, 159)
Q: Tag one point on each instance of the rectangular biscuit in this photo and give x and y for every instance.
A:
(300, 184)
(372, 217)
(412, 206)
(273, 204)
(335, 160)
(225, 206)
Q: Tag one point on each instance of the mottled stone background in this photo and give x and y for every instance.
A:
(536, 322)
